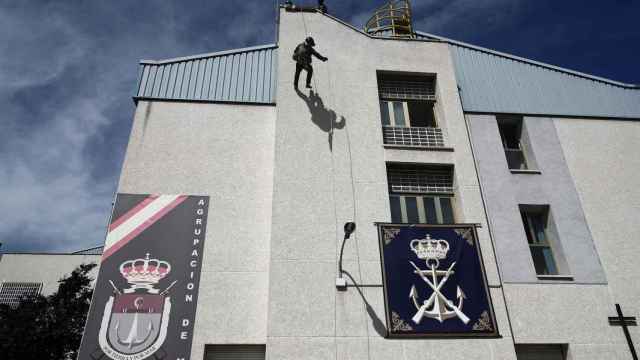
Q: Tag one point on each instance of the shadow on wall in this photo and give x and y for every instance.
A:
(378, 325)
(325, 119)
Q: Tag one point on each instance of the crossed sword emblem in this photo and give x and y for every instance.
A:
(441, 307)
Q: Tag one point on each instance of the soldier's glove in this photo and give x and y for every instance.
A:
(325, 59)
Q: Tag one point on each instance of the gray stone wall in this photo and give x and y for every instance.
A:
(225, 152)
(331, 171)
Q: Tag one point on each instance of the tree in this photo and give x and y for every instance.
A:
(48, 327)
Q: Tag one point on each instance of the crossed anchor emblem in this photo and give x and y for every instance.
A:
(437, 306)
(133, 339)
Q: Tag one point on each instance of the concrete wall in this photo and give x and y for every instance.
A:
(44, 268)
(553, 186)
(329, 169)
(576, 160)
(225, 152)
(602, 161)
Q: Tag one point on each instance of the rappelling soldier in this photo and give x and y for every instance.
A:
(302, 56)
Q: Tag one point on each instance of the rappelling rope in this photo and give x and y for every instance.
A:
(333, 186)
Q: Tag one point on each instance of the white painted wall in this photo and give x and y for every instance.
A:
(602, 159)
(318, 188)
(225, 152)
(44, 268)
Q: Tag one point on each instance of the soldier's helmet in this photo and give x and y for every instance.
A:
(310, 41)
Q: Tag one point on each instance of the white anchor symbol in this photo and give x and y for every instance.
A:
(437, 301)
(132, 339)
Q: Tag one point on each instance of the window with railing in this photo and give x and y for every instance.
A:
(420, 194)
(407, 110)
(11, 293)
(511, 135)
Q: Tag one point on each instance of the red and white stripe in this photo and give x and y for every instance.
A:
(136, 220)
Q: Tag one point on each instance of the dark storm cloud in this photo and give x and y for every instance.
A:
(68, 70)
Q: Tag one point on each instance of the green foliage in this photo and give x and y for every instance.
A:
(48, 327)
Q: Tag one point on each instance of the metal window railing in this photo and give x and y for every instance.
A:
(11, 293)
(413, 136)
(420, 180)
(391, 89)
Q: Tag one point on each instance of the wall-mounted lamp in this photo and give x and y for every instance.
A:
(341, 283)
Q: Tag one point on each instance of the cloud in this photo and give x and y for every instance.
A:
(46, 32)
(50, 201)
(67, 74)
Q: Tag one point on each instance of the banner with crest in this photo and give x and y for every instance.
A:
(434, 281)
(145, 296)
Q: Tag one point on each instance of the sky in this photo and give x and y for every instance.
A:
(68, 70)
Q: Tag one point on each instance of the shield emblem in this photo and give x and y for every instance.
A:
(134, 326)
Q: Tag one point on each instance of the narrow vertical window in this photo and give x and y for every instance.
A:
(384, 113)
(535, 221)
(511, 134)
(398, 113)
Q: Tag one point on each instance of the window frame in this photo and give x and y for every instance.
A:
(421, 209)
(391, 113)
(541, 214)
(517, 122)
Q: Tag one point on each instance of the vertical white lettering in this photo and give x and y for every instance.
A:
(201, 202)
(200, 211)
(183, 335)
(185, 322)
(196, 242)
(197, 231)
(198, 221)
(188, 298)
(193, 263)
(194, 252)
(190, 286)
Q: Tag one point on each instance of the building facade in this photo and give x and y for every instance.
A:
(24, 274)
(412, 129)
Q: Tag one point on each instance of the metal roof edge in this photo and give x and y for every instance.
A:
(213, 54)
(529, 61)
(201, 101)
(46, 253)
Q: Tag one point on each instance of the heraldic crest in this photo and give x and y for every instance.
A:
(437, 306)
(134, 323)
(434, 282)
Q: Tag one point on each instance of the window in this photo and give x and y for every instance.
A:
(536, 223)
(407, 113)
(420, 194)
(511, 135)
(234, 352)
(541, 352)
(11, 293)
(407, 110)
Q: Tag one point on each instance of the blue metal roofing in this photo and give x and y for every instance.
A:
(494, 82)
(241, 76)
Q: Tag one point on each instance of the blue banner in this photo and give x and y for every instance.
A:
(434, 281)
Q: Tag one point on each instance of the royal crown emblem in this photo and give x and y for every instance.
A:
(144, 273)
(430, 249)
